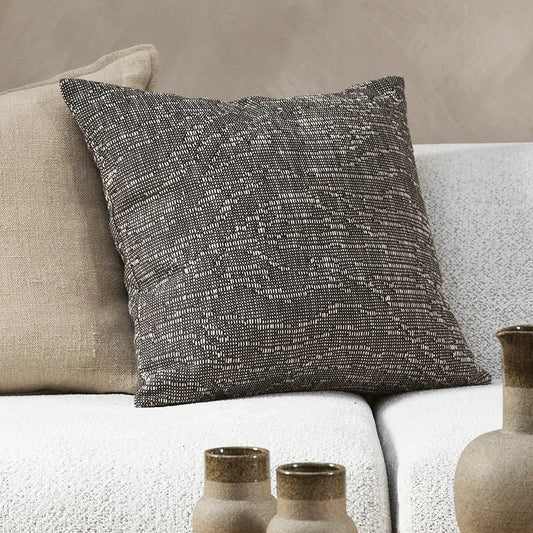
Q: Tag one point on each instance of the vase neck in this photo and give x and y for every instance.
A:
(258, 490)
(311, 510)
(517, 346)
(518, 409)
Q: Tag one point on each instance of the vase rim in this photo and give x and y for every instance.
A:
(311, 481)
(523, 328)
(311, 469)
(236, 451)
(237, 464)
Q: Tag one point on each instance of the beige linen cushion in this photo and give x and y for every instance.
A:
(64, 322)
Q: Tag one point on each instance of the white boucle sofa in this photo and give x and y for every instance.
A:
(94, 463)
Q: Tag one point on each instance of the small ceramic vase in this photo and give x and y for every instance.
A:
(237, 494)
(494, 476)
(311, 499)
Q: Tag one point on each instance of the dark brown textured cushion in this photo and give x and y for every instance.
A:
(272, 245)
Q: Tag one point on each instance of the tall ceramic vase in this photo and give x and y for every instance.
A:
(311, 499)
(494, 476)
(237, 494)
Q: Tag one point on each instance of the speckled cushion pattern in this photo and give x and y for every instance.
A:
(93, 464)
(479, 199)
(272, 245)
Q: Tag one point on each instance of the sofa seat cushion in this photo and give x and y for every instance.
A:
(93, 463)
(423, 434)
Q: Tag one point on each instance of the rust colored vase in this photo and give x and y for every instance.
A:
(311, 499)
(494, 476)
(237, 494)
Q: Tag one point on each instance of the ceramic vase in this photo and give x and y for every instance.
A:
(311, 499)
(494, 476)
(237, 494)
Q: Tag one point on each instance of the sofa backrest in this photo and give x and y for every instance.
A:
(479, 199)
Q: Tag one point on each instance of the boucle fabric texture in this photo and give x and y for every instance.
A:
(423, 435)
(272, 244)
(479, 199)
(93, 464)
(64, 322)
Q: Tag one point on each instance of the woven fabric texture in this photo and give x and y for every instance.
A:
(272, 244)
(64, 322)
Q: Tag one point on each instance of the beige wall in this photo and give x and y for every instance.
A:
(468, 64)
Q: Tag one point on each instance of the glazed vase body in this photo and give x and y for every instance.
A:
(494, 476)
(311, 499)
(237, 493)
